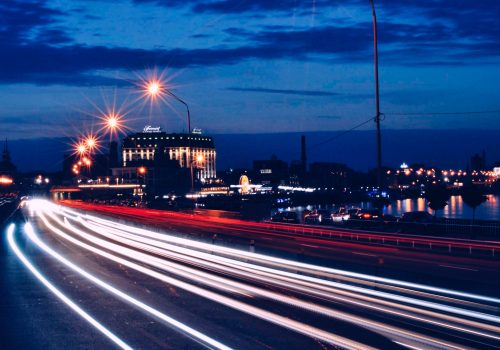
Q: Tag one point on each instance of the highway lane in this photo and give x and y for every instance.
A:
(245, 300)
(240, 330)
(443, 269)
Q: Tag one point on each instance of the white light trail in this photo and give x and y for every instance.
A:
(297, 265)
(191, 273)
(288, 280)
(394, 331)
(243, 307)
(198, 336)
(59, 294)
(152, 248)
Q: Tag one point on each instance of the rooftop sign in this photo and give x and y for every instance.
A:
(151, 129)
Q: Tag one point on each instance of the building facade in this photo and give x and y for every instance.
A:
(189, 150)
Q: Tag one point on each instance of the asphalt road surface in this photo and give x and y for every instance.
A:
(71, 279)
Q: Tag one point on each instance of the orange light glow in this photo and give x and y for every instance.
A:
(81, 148)
(91, 142)
(112, 121)
(142, 170)
(4, 180)
(154, 88)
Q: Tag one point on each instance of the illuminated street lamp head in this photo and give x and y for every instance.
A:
(200, 158)
(91, 142)
(81, 149)
(154, 88)
(142, 170)
(112, 121)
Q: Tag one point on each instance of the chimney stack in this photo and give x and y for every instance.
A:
(303, 156)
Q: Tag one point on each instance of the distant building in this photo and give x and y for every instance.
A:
(478, 161)
(270, 172)
(323, 174)
(188, 150)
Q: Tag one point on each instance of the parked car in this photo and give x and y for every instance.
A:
(340, 215)
(318, 217)
(417, 222)
(370, 214)
(417, 217)
(290, 217)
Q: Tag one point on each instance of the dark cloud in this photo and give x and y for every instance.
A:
(36, 49)
(284, 91)
(19, 18)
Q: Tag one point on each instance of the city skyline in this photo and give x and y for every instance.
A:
(304, 66)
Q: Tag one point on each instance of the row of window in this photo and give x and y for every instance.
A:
(173, 138)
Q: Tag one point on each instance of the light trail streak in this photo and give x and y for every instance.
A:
(176, 248)
(13, 245)
(282, 298)
(194, 334)
(290, 281)
(243, 307)
(291, 285)
(288, 263)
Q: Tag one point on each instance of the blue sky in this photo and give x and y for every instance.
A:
(248, 66)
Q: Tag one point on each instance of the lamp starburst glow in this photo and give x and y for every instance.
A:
(112, 123)
(154, 88)
(81, 149)
(91, 142)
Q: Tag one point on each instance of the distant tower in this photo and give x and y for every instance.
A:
(6, 154)
(6, 165)
(303, 155)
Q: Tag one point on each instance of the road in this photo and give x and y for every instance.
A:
(88, 281)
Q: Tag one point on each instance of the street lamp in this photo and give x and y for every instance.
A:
(199, 160)
(187, 108)
(91, 142)
(155, 89)
(142, 173)
(377, 100)
(81, 149)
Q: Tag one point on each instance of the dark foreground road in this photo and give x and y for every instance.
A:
(96, 283)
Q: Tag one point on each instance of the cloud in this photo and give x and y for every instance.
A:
(32, 30)
(284, 91)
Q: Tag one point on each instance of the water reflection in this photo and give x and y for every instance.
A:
(456, 208)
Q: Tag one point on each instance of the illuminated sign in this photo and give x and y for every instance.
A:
(151, 129)
(197, 131)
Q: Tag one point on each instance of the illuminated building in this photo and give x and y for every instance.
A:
(189, 150)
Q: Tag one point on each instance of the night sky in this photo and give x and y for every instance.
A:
(254, 66)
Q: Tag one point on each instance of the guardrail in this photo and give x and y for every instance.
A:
(407, 241)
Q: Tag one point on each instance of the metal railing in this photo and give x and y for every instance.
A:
(480, 248)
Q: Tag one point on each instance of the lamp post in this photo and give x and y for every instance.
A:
(199, 159)
(142, 173)
(377, 99)
(155, 88)
(187, 108)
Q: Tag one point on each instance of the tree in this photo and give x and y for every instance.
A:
(437, 196)
(473, 197)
